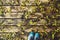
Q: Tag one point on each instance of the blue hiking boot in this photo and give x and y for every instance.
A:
(31, 36)
(37, 36)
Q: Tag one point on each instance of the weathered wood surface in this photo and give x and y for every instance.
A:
(19, 17)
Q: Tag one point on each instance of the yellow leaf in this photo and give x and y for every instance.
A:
(19, 24)
(30, 22)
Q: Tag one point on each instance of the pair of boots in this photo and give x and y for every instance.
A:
(34, 36)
